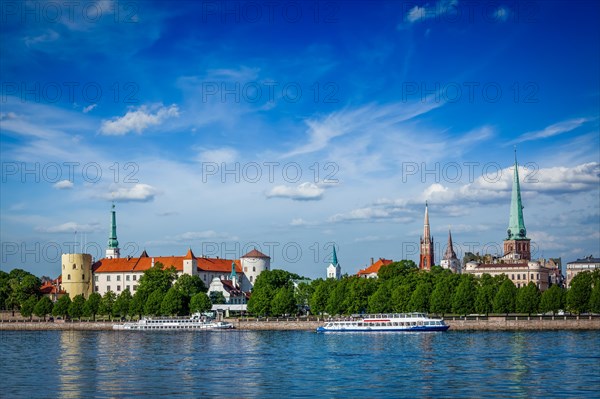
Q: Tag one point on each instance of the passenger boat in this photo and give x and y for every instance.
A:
(397, 322)
(195, 322)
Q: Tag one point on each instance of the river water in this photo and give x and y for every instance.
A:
(289, 364)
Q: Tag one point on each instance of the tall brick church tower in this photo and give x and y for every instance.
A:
(426, 259)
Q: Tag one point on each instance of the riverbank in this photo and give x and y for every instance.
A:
(470, 323)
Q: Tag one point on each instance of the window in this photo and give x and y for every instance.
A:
(63, 267)
(96, 278)
(68, 276)
(118, 288)
(253, 268)
(513, 277)
(135, 287)
(96, 288)
(107, 278)
(74, 266)
(245, 269)
(119, 278)
(134, 278)
(250, 278)
(83, 276)
(532, 276)
(127, 277)
(518, 276)
(128, 288)
(107, 288)
(538, 276)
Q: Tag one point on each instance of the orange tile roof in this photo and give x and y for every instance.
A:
(144, 263)
(255, 254)
(374, 268)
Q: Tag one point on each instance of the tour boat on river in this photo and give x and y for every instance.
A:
(195, 322)
(397, 322)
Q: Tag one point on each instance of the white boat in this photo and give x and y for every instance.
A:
(396, 322)
(196, 322)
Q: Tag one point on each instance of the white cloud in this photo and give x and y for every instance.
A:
(301, 222)
(89, 108)
(138, 192)
(418, 14)
(63, 185)
(218, 155)
(138, 120)
(203, 235)
(47, 37)
(71, 227)
(306, 191)
(552, 130)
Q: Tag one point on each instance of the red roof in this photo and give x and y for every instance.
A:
(255, 254)
(144, 263)
(374, 268)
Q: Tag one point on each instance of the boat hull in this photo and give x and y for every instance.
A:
(375, 329)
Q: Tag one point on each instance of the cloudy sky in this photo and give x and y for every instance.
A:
(290, 126)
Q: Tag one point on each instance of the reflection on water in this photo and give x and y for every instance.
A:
(275, 364)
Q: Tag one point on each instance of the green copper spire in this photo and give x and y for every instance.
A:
(233, 272)
(516, 225)
(334, 260)
(112, 240)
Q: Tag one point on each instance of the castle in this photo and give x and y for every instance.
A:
(80, 275)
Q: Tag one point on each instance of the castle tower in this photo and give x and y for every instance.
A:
(426, 259)
(516, 245)
(113, 250)
(334, 270)
(253, 264)
(190, 264)
(77, 274)
(450, 260)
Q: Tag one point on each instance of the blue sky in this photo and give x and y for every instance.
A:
(291, 126)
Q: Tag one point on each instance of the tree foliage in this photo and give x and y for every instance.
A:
(76, 307)
(200, 303)
(578, 296)
(92, 305)
(122, 303)
(28, 305)
(61, 307)
(552, 300)
(528, 299)
(173, 302)
(504, 301)
(106, 304)
(43, 307)
(283, 301)
(153, 304)
(463, 300)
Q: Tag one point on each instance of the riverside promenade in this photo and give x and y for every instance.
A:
(456, 323)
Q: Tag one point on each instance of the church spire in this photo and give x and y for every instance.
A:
(113, 245)
(450, 254)
(516, 226)
(426, 258)
(334, 260)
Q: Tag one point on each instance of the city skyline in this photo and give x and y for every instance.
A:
(295, 127)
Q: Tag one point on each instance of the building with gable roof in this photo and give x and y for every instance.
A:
(372, 270)
(80, 275)
(334, 270)
(516, 262)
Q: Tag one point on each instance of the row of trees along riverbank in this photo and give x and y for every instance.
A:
(402, 287)
(159, 292)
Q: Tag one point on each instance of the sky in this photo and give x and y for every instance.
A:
(294, 126)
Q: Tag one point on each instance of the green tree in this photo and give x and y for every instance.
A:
(154, 303)
(380, 301)
(401, 298)
(397, 269)
(27, 306)
(283, 301)
(122, 303)
(419, 300)
(4, 288)
(441, 297)
(578, 295)
(76, 307)
(217, 297)
(136, 306)
(318, 300)
(156, 278)
(20, 286)
(260, 301)
(303, 293)
(553, 299)
(463, 300)
(486, 291)
(594, 305)
(173, 302)
(61, 307)
(337, 297)
(200, 303)
(358, 292)
(190, 285)
(106, 304)
(504, 301)
(43, 307)
(92, 305)
(528, 299)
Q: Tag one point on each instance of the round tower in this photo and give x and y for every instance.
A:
(77, 274)
(253, 264)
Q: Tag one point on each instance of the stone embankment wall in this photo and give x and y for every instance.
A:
(470, 323)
